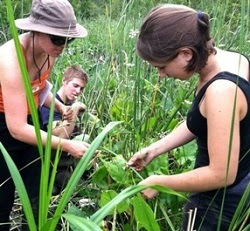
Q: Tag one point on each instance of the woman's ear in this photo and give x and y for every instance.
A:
(186, 53)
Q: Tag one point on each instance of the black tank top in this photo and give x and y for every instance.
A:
(197, 124)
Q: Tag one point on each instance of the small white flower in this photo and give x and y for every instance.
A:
(187, 102)
(101, 58)
(85, 202)
(133, 33)
(130, 64)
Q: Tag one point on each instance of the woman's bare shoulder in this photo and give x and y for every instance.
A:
(8, 52)
(235, 63)
(8, 61)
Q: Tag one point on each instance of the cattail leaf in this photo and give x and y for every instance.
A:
(21, 190)
(78, 172)
(81, 223)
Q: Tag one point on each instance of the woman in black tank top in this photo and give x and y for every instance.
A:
(175, 39)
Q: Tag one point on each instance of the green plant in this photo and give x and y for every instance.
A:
(124, 88)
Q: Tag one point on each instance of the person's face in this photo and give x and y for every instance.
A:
(73, 88)
(175, 68)
(53, 45)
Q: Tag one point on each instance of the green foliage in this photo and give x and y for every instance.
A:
(242, 213)
(107, 196)
(124, 88)
(144, 215)
(20, 10)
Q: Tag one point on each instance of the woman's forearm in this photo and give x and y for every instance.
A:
(59, 107)
(197, 180)
(179, 136)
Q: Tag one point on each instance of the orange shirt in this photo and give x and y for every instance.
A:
(37, 87)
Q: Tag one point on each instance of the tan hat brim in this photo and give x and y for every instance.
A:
(75, 32)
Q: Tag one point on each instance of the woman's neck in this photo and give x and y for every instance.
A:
(222, 61)
(31, 46)
(211, 69)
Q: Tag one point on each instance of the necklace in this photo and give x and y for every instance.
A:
(39, 70)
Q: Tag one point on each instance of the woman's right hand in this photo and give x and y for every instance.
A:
(76, 148)
(141, 159)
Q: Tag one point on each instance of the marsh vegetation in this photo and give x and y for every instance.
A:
(124, 88)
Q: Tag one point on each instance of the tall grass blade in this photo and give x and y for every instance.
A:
(229, 156)
(80, 223)
(104, 211)
(233, 115)
(45, 187)
(25, 75)
(245, 229)
(26, 82)
(131, 190)
(20, 189)
(78, 172)
(167, 218)
(242, 211)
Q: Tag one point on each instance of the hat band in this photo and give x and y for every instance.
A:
(68, 24)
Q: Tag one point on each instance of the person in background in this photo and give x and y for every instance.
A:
(73, 83)
(175, 39)
(49, 28)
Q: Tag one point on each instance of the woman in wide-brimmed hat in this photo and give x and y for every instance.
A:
(51, 25)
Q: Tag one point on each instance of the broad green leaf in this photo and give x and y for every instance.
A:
(157, 165)
(144, 215)
(127, 227)
(104, 211)
(99, 177)
(116, 173)
(117, 169)
(74, 210)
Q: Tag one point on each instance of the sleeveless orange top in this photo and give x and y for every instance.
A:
(37, 87)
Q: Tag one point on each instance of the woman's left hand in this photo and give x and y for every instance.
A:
(149, 192)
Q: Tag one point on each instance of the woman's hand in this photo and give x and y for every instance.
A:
(149, 192)
(75, 148)
(141, 159)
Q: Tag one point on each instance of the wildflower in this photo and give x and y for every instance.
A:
(133, 33)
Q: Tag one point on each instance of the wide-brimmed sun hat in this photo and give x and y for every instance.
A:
(55, 17)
